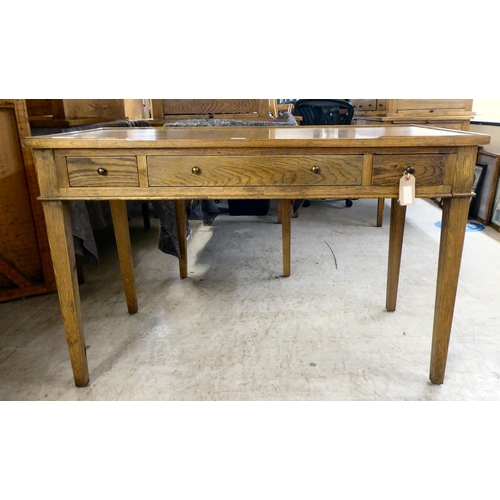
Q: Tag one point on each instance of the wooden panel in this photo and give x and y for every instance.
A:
(25, 264)
(437, 110)
(73, 112)
(119, 171)
(134, 108)
(454, 125)
(39, 107)
(18, 245)
(428, 104)
(94, 108)
(388, 169)
(440, 123)
(340, 170)
(364, 104)
(181, 109)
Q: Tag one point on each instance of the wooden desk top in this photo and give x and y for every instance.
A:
(257, 137)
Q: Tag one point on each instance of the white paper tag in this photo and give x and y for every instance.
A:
(407, 190)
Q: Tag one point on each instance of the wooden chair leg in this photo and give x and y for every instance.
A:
(380, 212)
(122, 236)
(286, 224)
(181, 218)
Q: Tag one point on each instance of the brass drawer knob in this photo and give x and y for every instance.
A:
(102, 171)
(196, 170)
(315, 170)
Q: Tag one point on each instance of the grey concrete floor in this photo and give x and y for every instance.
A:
(235, 329)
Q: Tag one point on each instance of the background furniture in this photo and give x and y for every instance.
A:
(276, 107)
(75, 112)
(446, 113)
(172, 110)
(25, 263)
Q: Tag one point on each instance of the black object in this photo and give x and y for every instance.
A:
(248, 207)
(477, 187)
(324, 111)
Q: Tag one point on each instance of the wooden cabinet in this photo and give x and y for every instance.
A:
(25, 263)
(362, 106)
(446, 113)
(76, 112)
(171, 110)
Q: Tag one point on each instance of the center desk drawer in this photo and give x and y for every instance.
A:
(215, 171)
(109, 171)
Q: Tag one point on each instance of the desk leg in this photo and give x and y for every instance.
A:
(122, 236)
(380, 211)
(286, 234)
(396, 232)
(454, 221)
(181, 217)
(60, 236)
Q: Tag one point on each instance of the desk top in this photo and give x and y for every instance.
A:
(257, 137)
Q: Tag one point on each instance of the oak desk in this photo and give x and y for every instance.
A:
(254, 163)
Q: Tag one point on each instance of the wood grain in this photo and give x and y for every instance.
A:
(240, 109)
(388, 169)
(453, 223)
(380, 211)
(286, 235)
(120, 171)
(25, 263)
(335, 170)
(181, 223)
(58, 220)
(396, 232)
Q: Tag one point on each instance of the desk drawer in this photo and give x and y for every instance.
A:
(453, 124)
(112, 171)
(236, 171)
(415, 107)
(388, 169)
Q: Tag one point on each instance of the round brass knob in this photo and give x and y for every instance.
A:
(315, 170)
(102, 171)
(196, 170)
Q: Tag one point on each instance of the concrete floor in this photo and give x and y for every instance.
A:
(237, 330)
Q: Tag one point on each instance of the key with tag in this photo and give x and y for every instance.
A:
(407, 188)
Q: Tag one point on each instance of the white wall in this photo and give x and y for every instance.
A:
(493, 132)
(487, 110)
